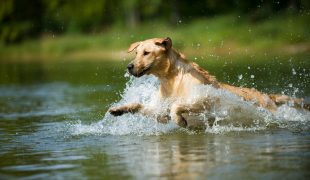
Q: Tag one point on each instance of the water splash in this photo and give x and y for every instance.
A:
(230, 112)
(143, 90)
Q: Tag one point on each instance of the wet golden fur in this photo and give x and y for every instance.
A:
(178, 76)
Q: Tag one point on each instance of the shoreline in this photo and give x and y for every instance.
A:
(95, 54)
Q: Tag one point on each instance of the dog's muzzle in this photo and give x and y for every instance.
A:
(130, 68)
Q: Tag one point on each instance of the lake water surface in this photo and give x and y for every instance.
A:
(53, 125)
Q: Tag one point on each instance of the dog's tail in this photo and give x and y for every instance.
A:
(280, 99)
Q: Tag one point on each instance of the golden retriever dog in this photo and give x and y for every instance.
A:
(177, 77)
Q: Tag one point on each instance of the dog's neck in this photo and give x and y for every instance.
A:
(174, 73)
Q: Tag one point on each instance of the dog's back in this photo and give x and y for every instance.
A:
(249, 94)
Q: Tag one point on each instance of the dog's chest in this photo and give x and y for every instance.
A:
(179, 87)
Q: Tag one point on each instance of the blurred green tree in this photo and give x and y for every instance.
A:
(73, 15)
(21, 19)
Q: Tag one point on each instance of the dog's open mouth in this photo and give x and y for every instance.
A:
(144, 71)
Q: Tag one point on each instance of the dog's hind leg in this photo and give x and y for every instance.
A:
(280, 99)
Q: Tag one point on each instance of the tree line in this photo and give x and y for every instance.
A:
(20, 19)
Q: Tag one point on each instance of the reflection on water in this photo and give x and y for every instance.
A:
(51, 116)
(51, 153)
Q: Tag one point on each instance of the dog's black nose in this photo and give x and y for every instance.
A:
(130, 66)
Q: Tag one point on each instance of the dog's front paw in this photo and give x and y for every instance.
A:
(116, 111)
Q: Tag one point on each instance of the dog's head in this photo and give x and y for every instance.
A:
(151, 56)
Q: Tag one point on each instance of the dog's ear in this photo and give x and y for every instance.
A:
(133, 46)
(166, 43)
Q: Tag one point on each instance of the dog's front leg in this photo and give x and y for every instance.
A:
(129, 108)
(178, 110)
(139, 108)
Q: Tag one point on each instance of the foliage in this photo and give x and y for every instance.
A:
(226, 35)
(20, 19)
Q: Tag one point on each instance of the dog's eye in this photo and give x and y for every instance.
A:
(146, 53)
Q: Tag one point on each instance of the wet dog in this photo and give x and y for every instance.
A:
(177, 78)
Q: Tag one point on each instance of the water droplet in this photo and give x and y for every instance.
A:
(293, 71)
(252, 76)
(126, 75)
(240, 76)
